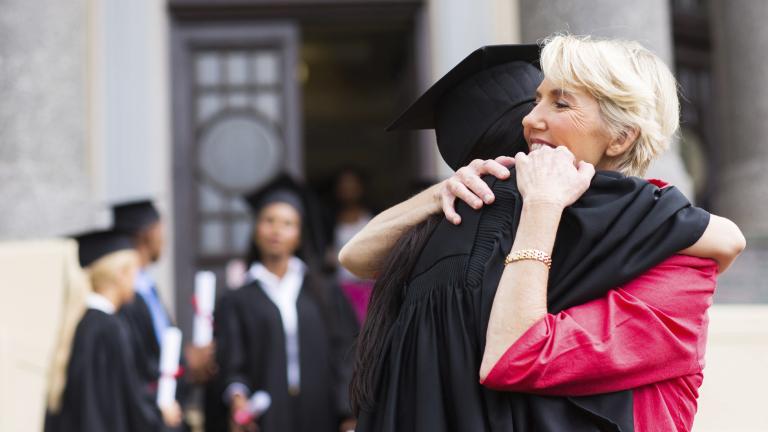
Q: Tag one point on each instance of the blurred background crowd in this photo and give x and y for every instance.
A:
(194, 104)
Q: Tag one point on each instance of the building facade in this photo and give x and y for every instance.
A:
(195, 102)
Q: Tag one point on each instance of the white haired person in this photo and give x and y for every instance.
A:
(566, 293)
(97, 388)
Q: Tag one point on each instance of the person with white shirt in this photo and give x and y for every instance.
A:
(286, 332)
(97, 388)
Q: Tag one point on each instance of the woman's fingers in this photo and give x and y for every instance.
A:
(507, 161)
(447, 199)
(460, 190)
(552, 175)
(470, 178)
(467, 185)
(496, 168)
(586, 170)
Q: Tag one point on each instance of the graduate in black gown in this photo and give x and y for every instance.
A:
(146, 316)
(288, 330)
(423, 342)
(102, 390)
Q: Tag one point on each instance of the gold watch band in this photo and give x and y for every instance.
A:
(529, 254)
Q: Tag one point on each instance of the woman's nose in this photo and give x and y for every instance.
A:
(534, 120)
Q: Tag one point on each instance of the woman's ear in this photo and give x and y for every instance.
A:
(622, 143)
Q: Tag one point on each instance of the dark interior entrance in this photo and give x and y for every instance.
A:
(302, 86)
(355, 80)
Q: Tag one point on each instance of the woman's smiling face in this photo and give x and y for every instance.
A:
(569, 118)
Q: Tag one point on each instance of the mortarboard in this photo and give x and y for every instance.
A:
(96, 244)
(280, 189)
(132, 217)
(465, 103)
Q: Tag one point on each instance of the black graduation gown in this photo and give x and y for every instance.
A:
(250, 345)
(143, 340)
(146, 348)
(102, 391)
(429, 375)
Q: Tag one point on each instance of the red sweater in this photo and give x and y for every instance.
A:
(648, 335)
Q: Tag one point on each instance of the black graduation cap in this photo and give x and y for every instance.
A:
(96, 244)
(282, 188)
(132, 217)
(462, 105)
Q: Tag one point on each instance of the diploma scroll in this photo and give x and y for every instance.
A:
(170, 352)
(205, 298)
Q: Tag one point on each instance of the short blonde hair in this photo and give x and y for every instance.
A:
(106, 269)
(80, 282)
(634, 89)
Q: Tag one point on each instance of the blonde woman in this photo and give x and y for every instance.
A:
(98, 389)
(568, 298)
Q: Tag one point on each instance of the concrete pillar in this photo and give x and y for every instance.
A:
(741, 96)
(45, 155)
(453, 29)
(648, 24)
(740, 69)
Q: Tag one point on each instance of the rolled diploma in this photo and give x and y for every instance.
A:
(170, 351)
(205, 298)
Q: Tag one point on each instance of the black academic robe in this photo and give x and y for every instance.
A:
(102, 391)
(143, 339)
(251, 350)
(428, 376)
(146, 350)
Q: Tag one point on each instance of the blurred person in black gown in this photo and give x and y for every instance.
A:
(146, 316)
(98, 388)
(288, 330)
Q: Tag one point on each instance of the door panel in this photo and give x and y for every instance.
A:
(237, 123)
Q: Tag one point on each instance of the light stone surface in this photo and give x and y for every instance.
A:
(44, 155)
(740, 38)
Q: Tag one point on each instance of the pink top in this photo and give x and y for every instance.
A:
(648, 335)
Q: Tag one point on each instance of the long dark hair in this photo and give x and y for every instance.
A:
(504, 137)
(386, 299)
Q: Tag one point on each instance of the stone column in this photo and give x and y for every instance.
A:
(740, 38)
(740, 68)
(451, 29)
(648, 24)
(44, 151)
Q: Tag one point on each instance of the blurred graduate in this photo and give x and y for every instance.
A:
(287, 333)
(96, 388)
(146, 316)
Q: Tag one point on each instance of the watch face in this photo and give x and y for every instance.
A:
(239, 152)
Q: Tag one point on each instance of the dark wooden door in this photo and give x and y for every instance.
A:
(236, 123)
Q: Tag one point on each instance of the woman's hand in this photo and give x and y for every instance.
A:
(172, 415)
(239, 404)
(467, 185)
(551, 176)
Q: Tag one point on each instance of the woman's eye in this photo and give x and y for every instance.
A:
(561, 104)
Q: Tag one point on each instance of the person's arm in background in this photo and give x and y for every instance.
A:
(364, 254)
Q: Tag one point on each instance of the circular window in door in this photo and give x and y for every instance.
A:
(239, 151)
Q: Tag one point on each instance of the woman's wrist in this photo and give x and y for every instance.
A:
(543, 204)
(538, 226)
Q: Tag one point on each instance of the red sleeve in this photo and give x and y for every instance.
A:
(651, 329)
